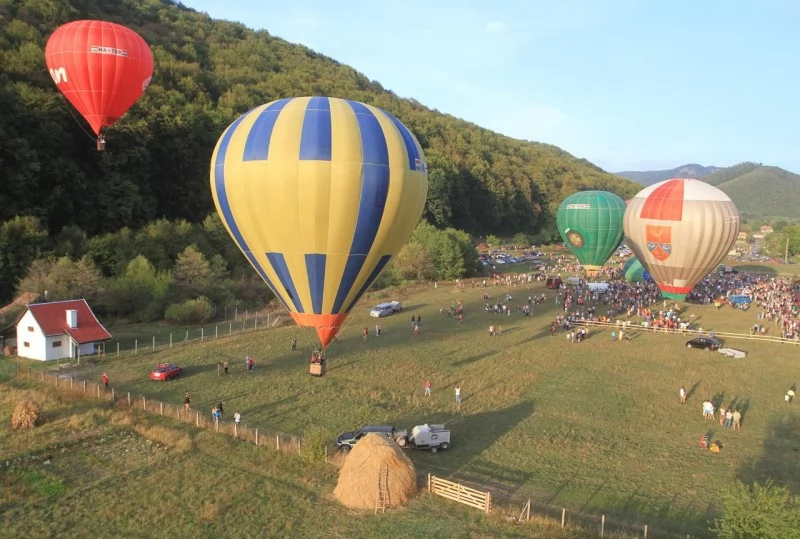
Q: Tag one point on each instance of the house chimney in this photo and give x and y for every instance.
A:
(72, 318)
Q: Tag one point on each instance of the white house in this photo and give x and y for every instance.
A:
(59, 330)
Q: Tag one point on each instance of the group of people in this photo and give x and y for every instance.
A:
(728, 417)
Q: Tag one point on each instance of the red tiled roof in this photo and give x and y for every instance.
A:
(52, 318)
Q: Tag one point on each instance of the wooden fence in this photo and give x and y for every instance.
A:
(628, 327)
(258, 436)
(459, 493)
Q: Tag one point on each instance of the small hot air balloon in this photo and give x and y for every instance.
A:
(680, 229)
(319, 194)
(590, 223)
(102, 68)
(634, 272)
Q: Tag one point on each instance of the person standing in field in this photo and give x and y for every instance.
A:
(737, 419)
(682, 394)
(250, 363)
(225, 366)
(294, 344)
(427, 388)
(187, 400)
(458, 394)
(364, 333)
(237, 418)
(104, 378)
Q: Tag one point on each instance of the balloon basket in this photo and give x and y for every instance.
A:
(316, 369)
(101, 145)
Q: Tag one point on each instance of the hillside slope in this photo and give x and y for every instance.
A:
(207, 73)
(654, 176)
(765, 192)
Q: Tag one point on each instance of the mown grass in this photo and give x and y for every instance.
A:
(594, 427)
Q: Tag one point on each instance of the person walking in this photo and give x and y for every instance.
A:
(294, 344)
(104, 378)
(364, 333)
(377, 330)
(427, 388)
(225, 366)
(187, 400)
(219, 409)
(682, 394)
(237, 419)
(458, 394)
(250, 363)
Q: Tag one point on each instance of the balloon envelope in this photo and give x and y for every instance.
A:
(590, 223)
(102, 68)
(680, 229)
(319, 194)
(633, 271)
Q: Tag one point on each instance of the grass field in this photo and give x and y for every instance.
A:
(595, 427)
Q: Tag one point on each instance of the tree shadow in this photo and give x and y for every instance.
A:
(780, 454)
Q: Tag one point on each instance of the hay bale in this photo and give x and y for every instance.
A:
(358, 479)
(27, 414)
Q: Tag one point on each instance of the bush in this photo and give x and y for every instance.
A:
(765, 511)
(192, 311)
(312, 448)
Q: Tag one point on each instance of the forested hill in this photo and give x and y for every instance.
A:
(207, 72)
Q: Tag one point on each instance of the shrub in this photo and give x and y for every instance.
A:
(312, 448)
(192, 311)
(767, 511)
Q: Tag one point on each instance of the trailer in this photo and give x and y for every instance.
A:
(433, 437)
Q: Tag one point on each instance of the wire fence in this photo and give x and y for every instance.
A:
(287, 443)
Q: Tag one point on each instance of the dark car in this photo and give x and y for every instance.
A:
(347, 440)
(165, 371)
(704, 343)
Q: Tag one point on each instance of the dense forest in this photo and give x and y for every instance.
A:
(207, 72)
(64, 203)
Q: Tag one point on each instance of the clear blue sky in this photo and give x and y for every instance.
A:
(627, 84)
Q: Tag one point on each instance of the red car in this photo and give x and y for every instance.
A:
(165, 371)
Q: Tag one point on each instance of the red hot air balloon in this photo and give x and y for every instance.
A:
(102, 68)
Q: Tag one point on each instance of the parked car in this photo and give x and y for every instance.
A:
(347, 440)
(166, 371)
(433, 437)
(704, 343)
(386, 309)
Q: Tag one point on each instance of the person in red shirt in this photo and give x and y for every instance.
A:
(104, 377)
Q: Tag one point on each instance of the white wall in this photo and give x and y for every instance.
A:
(31, 344)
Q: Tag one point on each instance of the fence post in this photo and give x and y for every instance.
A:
(98, 390)
(236, 314)
(170, 340)
(245, 315)
(216, 331)
(216, 425)
(84, 387)
(563, 516)
(488, 502)
(154, 343)
(429, 481)
(197, 418)
(235, 431)
(129, 398)
(278, 442)
(144, 403)
(326, 454)
(56, 379)
(136, 347)
(202, 334)
(162, 408)
(267, 318)
(602, 525)
(255, 324)
(42, 376)
(113, 395)
(117, 348)
(71, 382)
(645, 531)
(244, 325)
(528, 511)
(256, 436)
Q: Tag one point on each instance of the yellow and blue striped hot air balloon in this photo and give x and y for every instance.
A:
(319, 193)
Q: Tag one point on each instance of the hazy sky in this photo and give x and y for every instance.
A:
(627, 84)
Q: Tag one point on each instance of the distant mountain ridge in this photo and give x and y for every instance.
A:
(758, 191)
(692, 170)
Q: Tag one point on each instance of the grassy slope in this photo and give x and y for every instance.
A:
(765, 192)
(593, 426)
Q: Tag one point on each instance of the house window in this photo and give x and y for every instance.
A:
(30, 328)
(26, 345)
(56, 344)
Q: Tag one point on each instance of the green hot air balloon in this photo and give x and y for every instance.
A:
(633, 271)
(590, 222)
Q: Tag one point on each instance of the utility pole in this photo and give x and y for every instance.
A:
(786, 252)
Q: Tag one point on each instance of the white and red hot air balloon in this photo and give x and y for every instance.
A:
(680, 230)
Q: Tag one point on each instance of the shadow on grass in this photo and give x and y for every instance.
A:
(472, 436)
(781, 452)
(473, 359)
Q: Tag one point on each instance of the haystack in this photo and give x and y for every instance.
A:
(27, 414)
(358, 479)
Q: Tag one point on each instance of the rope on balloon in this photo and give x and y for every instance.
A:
(77, 121)
(336, 338)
